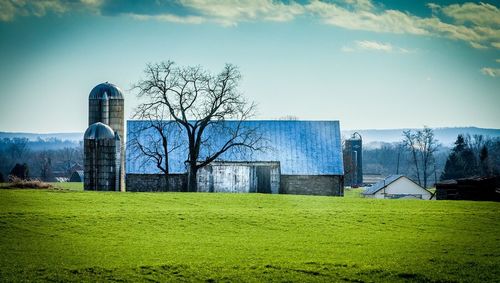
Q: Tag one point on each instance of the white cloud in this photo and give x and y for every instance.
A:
(478, 14)
(7, 11)
(478, 24)
(466, 26)
(230, 12)
(492, 72)
(347, 49)
(367, 45)
(169, 18)
(390, 21)
(373, 45)
(10, 9)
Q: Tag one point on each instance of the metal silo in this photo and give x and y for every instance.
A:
(106, 105)
(101, 156)
(354, 154)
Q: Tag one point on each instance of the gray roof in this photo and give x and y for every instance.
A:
(301, 147)
(106, 89)
(98, 131)
(381, 184)
(76, 176)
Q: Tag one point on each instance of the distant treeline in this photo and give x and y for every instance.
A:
(45, 159)
(393, 158)
(475, 155)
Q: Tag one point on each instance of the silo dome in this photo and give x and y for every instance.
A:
(111, 90)
(98, 131)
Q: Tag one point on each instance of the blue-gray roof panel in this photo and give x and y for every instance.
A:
(381, 184)
(301, 147)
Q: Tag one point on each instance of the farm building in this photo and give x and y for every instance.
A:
(299, 157)
(478, 188)
(76, 176)
(397, 187)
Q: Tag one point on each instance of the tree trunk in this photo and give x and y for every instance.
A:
(192, 182)
(167, 183)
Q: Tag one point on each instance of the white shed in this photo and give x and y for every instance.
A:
(397, 187)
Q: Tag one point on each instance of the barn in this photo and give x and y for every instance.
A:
(473, 188)
(397, 187)
(300, 157)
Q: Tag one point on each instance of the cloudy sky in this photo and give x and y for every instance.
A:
(369, 64)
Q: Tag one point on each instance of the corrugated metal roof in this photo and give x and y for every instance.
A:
(106, 89)
(98, 131)
(381, 184)
(301, 147)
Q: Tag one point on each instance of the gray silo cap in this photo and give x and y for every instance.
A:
(109, 89)
(98, 131)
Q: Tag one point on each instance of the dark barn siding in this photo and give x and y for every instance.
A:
(325, 185)
(155, 183)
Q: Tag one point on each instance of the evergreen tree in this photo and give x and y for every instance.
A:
(485, 162)
(452, 168)
(461, 162)
(469, 163)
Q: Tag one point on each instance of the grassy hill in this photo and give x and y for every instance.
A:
(72, 235)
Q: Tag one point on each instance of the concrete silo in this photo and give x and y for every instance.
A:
(102, 150)
(106, 105)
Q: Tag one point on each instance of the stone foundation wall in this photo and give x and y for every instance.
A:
(155, 183)
(324, 185)
(329, 185)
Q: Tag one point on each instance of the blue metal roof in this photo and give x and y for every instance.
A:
(381, 184)
(301, 147)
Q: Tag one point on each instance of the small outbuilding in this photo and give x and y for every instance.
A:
(76, 176)
(397, 187)
(474, 188)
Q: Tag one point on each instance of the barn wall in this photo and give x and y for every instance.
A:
(329, 185)
(238, 177)
(380, 194)
(155, 183)
(404, 186)
(325, 185)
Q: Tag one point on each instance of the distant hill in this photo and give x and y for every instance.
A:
(446, 136)
(38, 142)
(74, 137)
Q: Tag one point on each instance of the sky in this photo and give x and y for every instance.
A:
(369, 64)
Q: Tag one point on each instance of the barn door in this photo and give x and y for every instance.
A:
(263, 179)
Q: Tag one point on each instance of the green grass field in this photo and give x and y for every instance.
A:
(61, 235)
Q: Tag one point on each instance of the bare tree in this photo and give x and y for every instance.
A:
(18, 148)
(150, 141)
(44, 160)
(197, 100)
(70, 157)
(422, 145)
